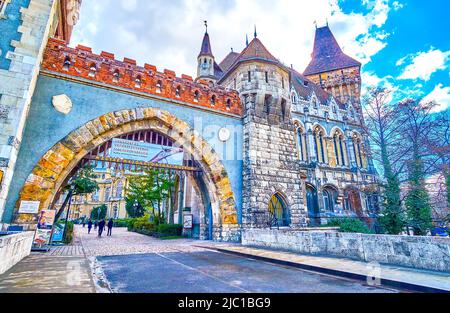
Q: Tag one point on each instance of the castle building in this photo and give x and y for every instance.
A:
(304, 141)
(269, 146)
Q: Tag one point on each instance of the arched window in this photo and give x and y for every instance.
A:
(159, 86)
(267, 103)
(213, 100)
(358, 150)
(315, 106)
(196, 96)
(138, 81)
(228, 104)
(119, 190)
(66, 64)
(279, 210)
(319, 135)
(178, 92)
(302, 150)
(329, 199)
(92, 70)
(339, 148)
(116, 76)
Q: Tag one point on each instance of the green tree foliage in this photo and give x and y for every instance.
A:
(383, 126)
(83, 183)
(103, 210)
(151, 190)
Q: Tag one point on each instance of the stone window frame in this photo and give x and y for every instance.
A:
(3, 5)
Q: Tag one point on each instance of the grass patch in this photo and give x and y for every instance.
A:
(171, 238)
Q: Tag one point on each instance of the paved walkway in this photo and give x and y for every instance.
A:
(123, 242)
(392, 275)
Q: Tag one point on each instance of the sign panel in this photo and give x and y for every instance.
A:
(145, 152)
(58, 233)
(188, 221)
(46, 219)
(42, 237)
(29, 207)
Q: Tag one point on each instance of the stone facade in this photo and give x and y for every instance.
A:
(270, 165)
(429, 253)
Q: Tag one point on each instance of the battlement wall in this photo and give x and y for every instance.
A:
(104, 68)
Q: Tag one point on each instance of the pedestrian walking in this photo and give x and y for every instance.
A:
(101, 227)
(95, 226)
(110, 227)
(89, 226)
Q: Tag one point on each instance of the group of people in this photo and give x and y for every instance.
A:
(100, 226)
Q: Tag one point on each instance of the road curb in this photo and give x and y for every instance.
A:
(384, 282)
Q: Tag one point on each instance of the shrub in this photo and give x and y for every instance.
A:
(122, 222)
(350, 225)
(168, 230)
(141, 224)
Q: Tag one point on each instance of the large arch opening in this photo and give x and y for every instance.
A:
(55, 167)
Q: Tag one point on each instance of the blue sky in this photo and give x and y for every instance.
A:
(403, 44)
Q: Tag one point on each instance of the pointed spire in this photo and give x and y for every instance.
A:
(206, 44)
(327, 54)
(256, 33)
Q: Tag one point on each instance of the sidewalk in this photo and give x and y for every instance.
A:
(393, 276)
(63, 269)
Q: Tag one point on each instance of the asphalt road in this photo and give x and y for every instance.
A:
(213, 272)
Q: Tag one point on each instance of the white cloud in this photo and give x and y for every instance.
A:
(424, 64)
(440, 95)
(168, 33)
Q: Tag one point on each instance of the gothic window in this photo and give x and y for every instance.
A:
(372, 203)
(301, 144)
(282, 83)
(339, 148)
(267, 77)
(249, 76)
(213, 100)
(334, 109)
(357, 148)
(319, 136)
(279, 210)
(95, 196)
(329, 199)
(235, 83)
(178, 92)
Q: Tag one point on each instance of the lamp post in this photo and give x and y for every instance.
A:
(135, 206)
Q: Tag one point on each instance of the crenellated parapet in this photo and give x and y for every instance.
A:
(81, 62)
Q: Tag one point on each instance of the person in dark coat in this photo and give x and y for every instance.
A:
(110, 227)
(101, 227)
(95, 225)
(89, 226)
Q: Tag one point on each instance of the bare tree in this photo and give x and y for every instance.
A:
(383, 129)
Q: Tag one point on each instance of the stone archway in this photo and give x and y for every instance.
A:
(50, 172)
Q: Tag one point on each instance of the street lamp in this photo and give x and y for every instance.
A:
(135, 206)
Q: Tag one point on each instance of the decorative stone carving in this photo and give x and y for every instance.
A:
(62, 104)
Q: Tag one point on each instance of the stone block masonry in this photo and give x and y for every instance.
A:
(17, 83)
(429, 253)
(14, 248)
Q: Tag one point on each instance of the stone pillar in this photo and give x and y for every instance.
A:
(17, 86)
